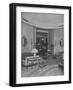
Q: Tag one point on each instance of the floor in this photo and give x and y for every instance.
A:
(50, 68)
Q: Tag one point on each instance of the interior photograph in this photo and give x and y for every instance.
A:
(42, 44)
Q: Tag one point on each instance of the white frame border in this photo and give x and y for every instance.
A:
(24, 80)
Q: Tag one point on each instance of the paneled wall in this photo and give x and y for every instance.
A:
(58, 36)
(54, 37)
(29, 33)
(50, 39)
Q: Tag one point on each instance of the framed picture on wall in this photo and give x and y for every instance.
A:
(40, 44)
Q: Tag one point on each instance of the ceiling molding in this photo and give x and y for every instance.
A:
(52, 26)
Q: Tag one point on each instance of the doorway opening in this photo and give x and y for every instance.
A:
(42, 43)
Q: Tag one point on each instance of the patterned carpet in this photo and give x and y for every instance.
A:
(49, 68)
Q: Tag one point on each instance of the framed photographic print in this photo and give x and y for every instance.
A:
(40, 44)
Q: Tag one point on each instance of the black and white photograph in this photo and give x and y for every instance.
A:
(40, 44)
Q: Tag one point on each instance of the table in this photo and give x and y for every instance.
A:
(32, 60)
